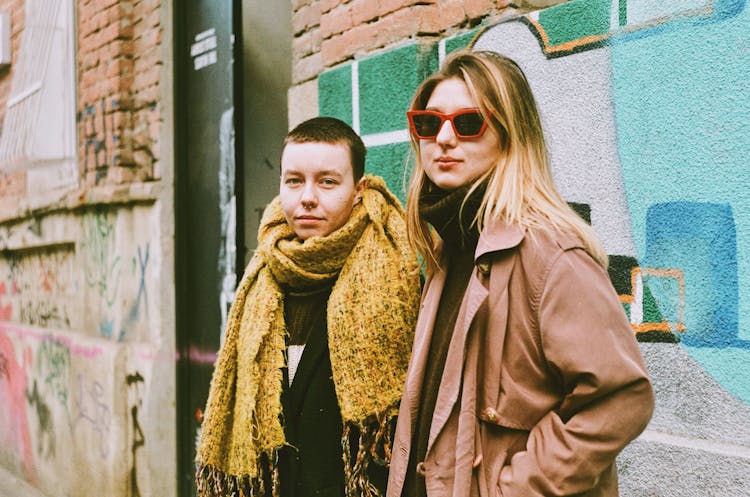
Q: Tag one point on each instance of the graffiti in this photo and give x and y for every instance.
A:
(101, 265)
(695, 236)
(96, 128)
(644, 107)
(39, 287)
(561, 32)
(6, 310)
(141, 298)
(138, 439)
(46, 432)
(4, 368)
(227, 251)
(53, 366)
(45, 314)
(13, 403)
(93, 411)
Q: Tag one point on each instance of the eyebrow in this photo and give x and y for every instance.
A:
(326, 172)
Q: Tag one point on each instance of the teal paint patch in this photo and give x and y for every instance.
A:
(386, 84)
(461, 41)
(389, 161)
(623, 14)
(574, 20)
(681, 114)
(728, 366)
(335, 93)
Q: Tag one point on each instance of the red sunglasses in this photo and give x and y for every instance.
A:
(426, 124)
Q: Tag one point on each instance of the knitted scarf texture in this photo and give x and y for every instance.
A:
(371, 315)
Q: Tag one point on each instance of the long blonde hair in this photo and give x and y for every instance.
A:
(520, 189)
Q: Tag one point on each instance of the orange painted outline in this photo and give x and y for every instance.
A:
(571, 46)
(661, 273)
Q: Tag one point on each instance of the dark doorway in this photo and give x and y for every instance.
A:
(206, 112)
(232, 73)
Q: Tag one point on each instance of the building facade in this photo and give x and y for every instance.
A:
(139, 145)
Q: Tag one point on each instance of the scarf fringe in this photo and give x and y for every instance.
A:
(373, 447)
(212, 482)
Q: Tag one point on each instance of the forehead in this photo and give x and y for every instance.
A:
(450, 95)
(316, 158)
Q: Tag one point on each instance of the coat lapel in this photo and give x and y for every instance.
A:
(422, 334)
(495, 238)
(476, 294)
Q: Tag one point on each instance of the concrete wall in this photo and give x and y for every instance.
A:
(646, 112)
(87, 355)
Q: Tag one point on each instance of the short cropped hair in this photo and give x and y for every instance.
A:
(325, 129)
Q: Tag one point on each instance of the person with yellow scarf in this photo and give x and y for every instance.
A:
(309, 378)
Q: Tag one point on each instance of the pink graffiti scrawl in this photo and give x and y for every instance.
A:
(5, 310)
(13, 402)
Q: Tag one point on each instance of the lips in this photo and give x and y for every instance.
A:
(307, 219)
(447, 162)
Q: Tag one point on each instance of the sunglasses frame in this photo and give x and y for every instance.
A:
(444, 117)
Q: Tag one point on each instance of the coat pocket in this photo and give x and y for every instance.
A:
(498, 444)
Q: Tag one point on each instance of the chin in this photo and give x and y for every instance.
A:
(448, 184)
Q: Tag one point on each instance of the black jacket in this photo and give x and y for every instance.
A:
(311, 465)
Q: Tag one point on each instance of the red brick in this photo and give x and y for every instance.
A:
(121, 120)
(363, 11)
(336, 21)
(479, 8)
(326, 5)
(356, 40)
(305, 18)
(307, 68)
(119, 175)
(297, 4)
(401, 24)
(148, 77)
(305, 44)
(434, 18)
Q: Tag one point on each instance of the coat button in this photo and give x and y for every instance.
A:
(484, 268)
(490, 414)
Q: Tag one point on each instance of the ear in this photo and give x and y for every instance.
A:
(360, 187)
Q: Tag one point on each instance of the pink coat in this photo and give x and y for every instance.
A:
(544, 383)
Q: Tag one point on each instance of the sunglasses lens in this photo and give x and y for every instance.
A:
(426, 125)
(469, 124)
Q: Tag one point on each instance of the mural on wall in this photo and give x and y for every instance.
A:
(66, 308)
(647, 124)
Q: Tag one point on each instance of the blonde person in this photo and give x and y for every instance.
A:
(525, 377)
(308, 380)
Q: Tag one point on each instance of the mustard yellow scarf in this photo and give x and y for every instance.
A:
(371, 315)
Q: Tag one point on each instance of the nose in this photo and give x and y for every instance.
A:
(309, 197)
(446, 134)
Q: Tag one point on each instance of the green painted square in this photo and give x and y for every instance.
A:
(461, 41)
(651, 312)
(335, 93)
(386, 85)
(390, 161)
(575, 20)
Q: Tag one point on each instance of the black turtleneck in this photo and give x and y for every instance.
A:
(460, 236)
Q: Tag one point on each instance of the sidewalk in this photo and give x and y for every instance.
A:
(12, 486)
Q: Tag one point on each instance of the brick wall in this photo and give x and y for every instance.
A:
(119, 68)
(328, 33)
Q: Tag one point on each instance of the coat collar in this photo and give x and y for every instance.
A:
(498, 236)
